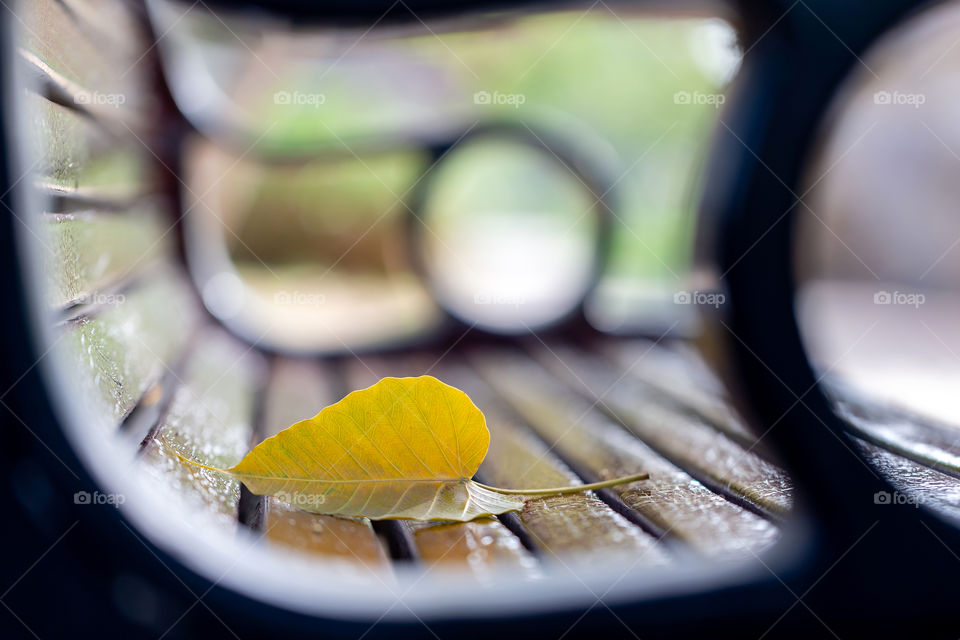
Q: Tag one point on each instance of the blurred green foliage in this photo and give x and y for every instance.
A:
(620, 76)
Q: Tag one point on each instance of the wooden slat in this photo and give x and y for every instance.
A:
(210, 420)
(707, 454)
(600, 449)
(680, 374)
(898, 440)
(92, 251)
(78, 157)
(575, 529)
(921, 439)
(120, 353)
(485, 548)
(918, 484)
(64, 43)
(298, 390)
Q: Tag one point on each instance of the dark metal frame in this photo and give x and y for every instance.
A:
(597, 173)
(849, 564)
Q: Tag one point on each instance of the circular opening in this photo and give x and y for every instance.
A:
(510, 235)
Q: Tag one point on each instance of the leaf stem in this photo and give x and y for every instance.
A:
(564, 490)
(186, 460)
(513, 492)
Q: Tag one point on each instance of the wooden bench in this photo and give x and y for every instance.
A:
(153, 367)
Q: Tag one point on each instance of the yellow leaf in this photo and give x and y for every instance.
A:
(403, 448)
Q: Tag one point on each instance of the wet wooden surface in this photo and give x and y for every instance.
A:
(920, 456)
(95, 63)
(123, 347)
(210, 420)
(672, 501)
(923, 440)
(77, 155)
(91, 252)
(916, 484)
(129, 330)
(570, 529)
(124, 308)
(298, 390)
(482, 547)
(576, 528)
(691, 443)
(677, 372)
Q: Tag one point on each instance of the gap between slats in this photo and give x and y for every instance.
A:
(65, 92)
(295, 390)
(715, 484)
(692, 512)
(465, 377)
(355, 373)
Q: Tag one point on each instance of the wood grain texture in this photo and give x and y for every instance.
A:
(90, 251)
(79, 157)
(209, 420)
(917, 484)
(483, 547)
(575, 529)
(135, 338)
(919, 455)
(298, 390)
(707, 454)
(905, 433)
(675, 502)
(680, 374)
(98, 67)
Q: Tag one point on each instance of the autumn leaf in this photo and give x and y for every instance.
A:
(404, 448)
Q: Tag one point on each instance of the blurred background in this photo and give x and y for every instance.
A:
(316, 145)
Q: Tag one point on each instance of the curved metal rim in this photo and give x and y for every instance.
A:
(596, 173)
(747, 223)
